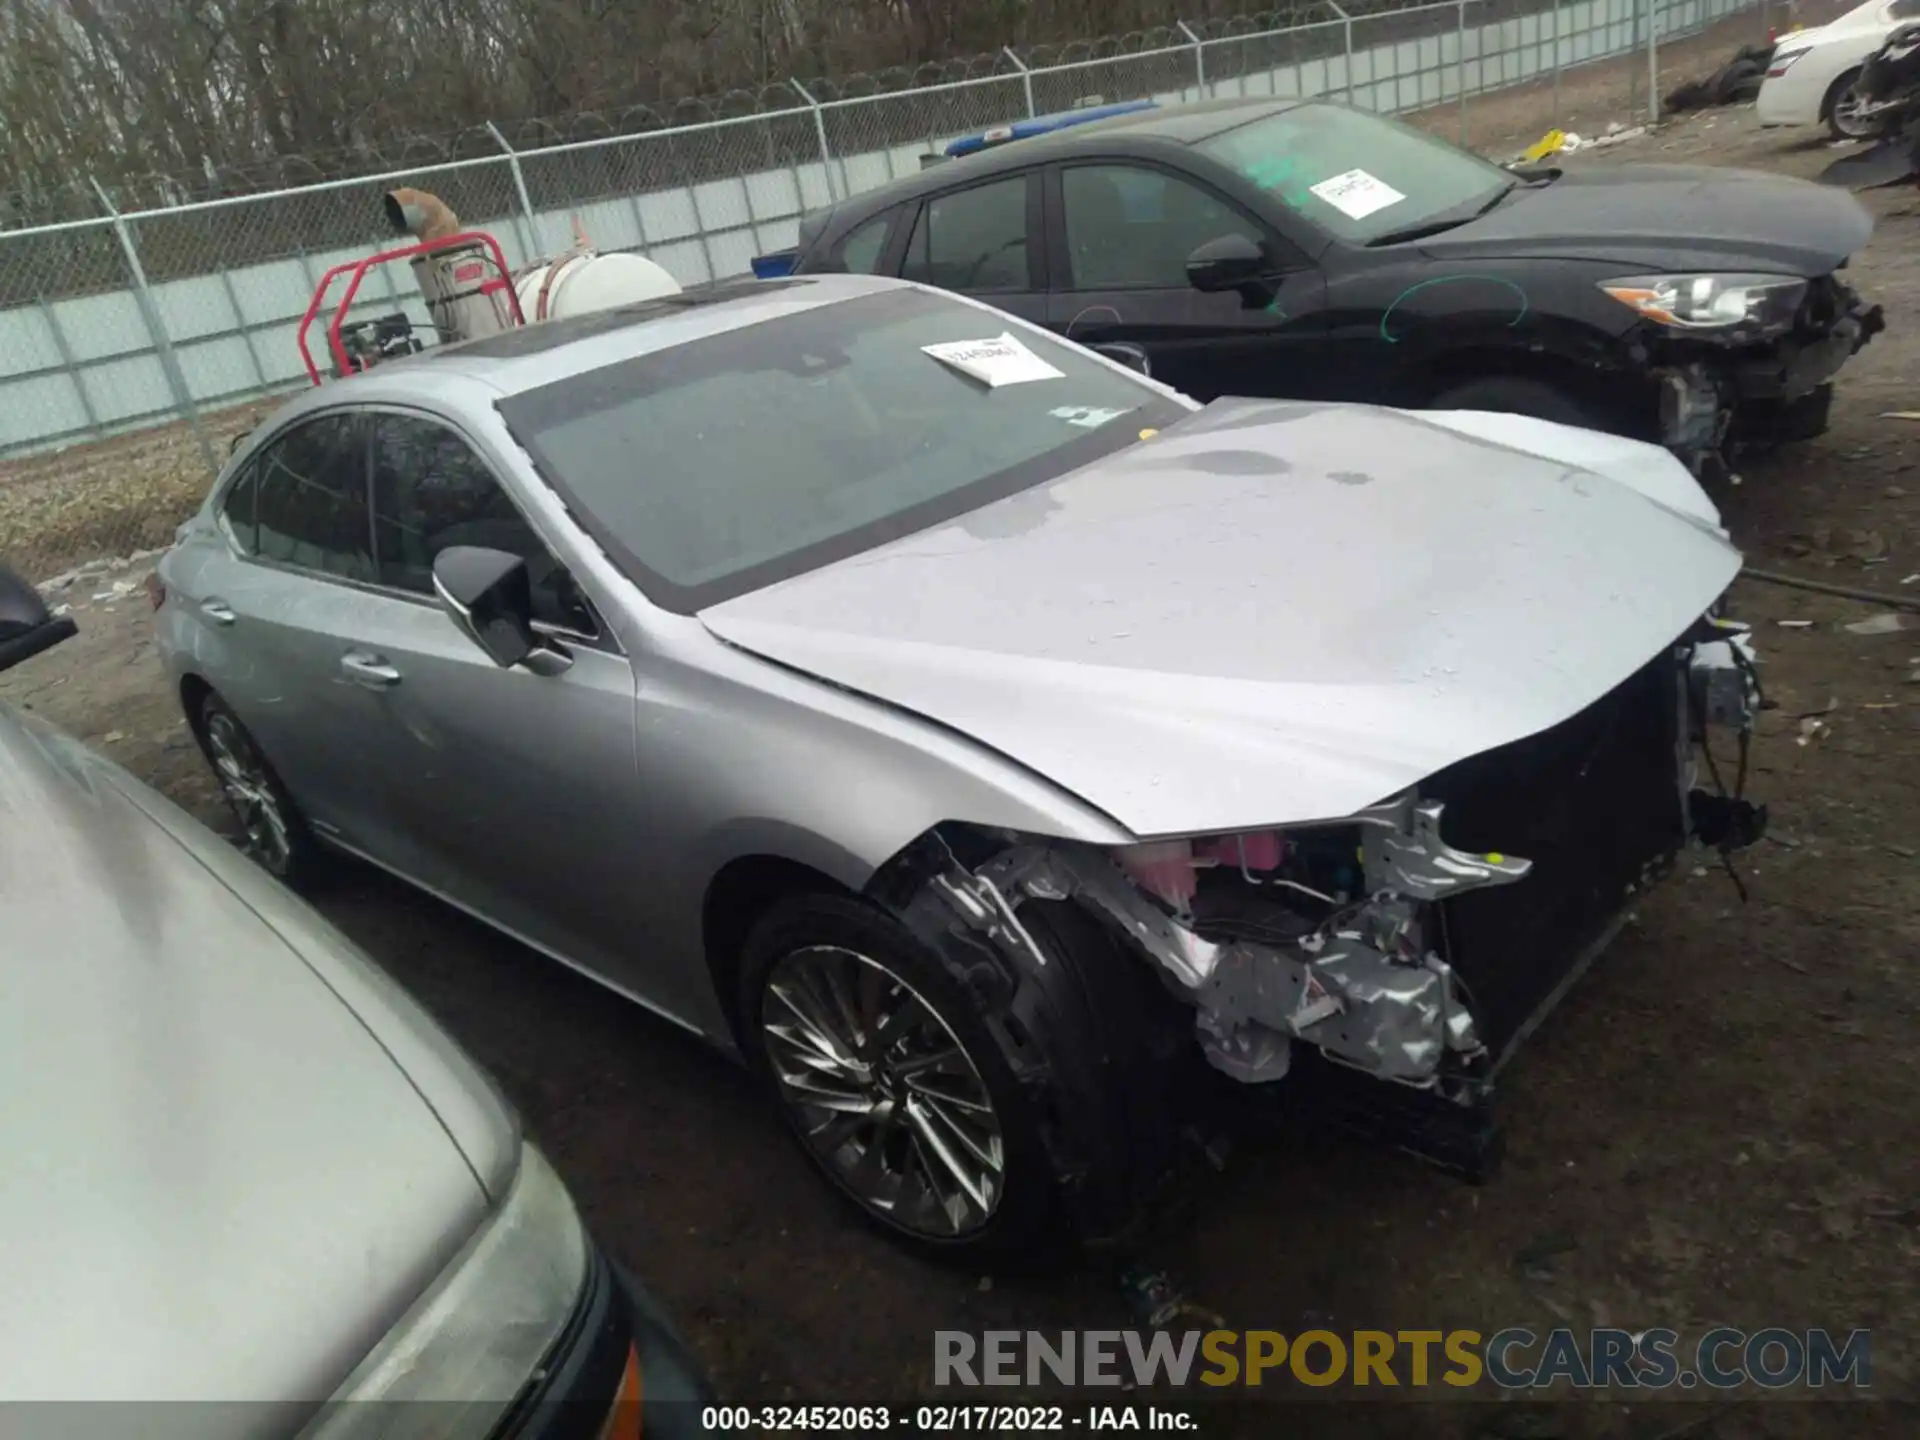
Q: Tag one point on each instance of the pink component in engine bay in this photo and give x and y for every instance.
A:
(1169, 869)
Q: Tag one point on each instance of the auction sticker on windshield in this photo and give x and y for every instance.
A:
(1086, 417)
(1356, 194)
(1000, 361)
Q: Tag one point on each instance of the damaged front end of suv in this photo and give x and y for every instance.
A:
(1739, 361)
(1401, 954)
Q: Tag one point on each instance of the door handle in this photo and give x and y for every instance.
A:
(369, 670)
(218, 611)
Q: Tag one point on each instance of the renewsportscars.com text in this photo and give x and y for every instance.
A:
(1512, 1359)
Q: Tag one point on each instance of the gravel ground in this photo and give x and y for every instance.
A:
(1717, 1126)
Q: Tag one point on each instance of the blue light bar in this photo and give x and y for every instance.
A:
(1042, 125)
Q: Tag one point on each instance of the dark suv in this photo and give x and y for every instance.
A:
(1302, 249)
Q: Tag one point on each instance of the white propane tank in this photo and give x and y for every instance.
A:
(580, 284)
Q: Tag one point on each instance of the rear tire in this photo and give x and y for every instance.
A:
(272, 832)
(1838, 109)
(1067, 1121)
(1512, 395)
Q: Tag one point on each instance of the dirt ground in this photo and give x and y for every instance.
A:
(1718, 1126)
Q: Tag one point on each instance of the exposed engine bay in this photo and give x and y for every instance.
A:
(1397, 942)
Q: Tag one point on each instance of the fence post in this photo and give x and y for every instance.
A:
(530, 241)
(1026, 78)
(246, 335)
(1346, 25)
(1556, 66)
(1199, 57)
(67, 362)
(820, 129)
(1634, 42)
(1460, 59)
(157, 329)
(1653, 63)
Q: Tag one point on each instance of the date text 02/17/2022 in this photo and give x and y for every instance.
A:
(943, 1419)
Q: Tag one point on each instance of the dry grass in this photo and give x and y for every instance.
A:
(109, 497)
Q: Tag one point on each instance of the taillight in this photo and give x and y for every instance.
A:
(156, 589)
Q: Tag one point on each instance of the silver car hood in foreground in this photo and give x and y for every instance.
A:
(219, 1182)
(1271, 612)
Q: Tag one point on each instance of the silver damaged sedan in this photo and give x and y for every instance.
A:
(973, 733)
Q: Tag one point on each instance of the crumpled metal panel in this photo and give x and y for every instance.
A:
(1365, 988)
(1403, 852)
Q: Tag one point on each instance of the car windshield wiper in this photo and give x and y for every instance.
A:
(1447, 221)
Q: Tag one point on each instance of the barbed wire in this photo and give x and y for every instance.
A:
(138, 191)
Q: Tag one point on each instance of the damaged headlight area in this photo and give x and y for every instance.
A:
(1745, 305)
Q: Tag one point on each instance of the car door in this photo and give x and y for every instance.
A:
(298, 554)
(513, 793)
(1119, 265)
(987, 241)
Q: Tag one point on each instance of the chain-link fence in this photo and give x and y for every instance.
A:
(134, 345)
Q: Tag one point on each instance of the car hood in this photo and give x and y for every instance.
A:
(1669, 217)
(220, 1183)
(1270, 612)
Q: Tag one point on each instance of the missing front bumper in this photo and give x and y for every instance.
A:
(1714, 397)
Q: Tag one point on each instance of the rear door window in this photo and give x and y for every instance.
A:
(973, 241)
(310, 502)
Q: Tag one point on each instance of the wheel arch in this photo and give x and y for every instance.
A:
(740, 892)
(1601, 390)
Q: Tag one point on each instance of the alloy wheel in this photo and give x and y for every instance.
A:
(1848, 119)
(249, 790)
(883, 1092)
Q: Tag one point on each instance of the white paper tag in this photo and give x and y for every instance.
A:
(1357, 194)
(1087, 417)
(1000, 361)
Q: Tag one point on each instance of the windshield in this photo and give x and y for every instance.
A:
(727, 464)
(1355, 174)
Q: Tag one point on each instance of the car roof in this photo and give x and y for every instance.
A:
(527, 357)
(1164, 126)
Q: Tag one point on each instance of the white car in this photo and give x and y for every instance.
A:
(1813, 72)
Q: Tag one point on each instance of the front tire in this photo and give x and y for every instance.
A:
(272, 832)
(962, 1115)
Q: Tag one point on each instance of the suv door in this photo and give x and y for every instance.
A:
(986, 241)
(1119, 263)
(512, 792)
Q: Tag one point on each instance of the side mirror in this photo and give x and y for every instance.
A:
(26, 625)
(1131, 356)
(488, 595)
(1232, 262)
